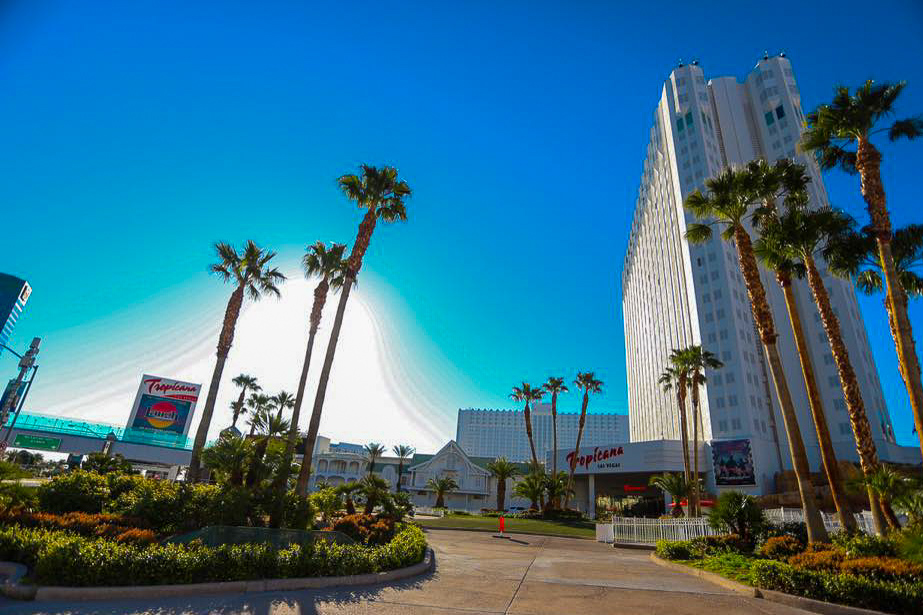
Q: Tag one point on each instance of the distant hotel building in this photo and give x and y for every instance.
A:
(14, 292)
(675, 294)
(496, 433)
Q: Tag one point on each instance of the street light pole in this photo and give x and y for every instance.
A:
(25, 364)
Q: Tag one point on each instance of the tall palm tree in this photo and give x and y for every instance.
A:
(373, 452)
(674, 485)
(674, 377)
(402, 452)
(769, 183)
(727, 204)
(528, 394)
(788, 244)
(282, 401)
(328, 264)
(237, 408)
(382, 195)
(697, 361)
(590, 384)
(554, 386)
(832, 129)
(251, 274)
(501, 470)
(441, 486)
(246, 384)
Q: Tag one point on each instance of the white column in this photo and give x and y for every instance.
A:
(591, 496)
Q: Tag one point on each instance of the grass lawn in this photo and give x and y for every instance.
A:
(571, 529)
(729, 565)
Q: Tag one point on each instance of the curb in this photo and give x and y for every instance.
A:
(806, 604)
(640, 546)
(42, 593)
(494, 531)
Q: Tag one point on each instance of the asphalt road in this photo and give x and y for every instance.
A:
(476, 574)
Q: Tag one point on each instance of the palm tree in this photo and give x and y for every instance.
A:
(374, 490)
(402, 451)
(528, 394)
(282, 401)
(382, 195)
(696, 361)
(674, 485)
(501, 469)
(259, 406)
(769, 183)
(554, 386)
(441, 486)
(228, 457)
(246, 383)
(251, 274)
(556, 486)
(531, 487)
(727, 205)
(887, 484)
(789, 243)
(832, 129)
(268, 427)
(373, 451)
(347, 490)
(329, 265)
(588, 382)
(674, 377)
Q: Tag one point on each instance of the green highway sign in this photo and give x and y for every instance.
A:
(37, 442)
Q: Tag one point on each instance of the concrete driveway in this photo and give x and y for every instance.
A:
(475, 574)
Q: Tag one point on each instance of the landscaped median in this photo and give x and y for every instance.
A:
(63, 558)
(569, 528)
(860, 571)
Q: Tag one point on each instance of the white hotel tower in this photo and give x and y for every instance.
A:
(675, 294)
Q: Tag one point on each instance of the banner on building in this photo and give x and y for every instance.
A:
(733, 461)
(163, 405)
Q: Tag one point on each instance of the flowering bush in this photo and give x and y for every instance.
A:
(367, 529)
(781, 547)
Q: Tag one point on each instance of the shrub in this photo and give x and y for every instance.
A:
(137, 536)
(65, 559)
(911, 545)
(366, 529)
(781, 548)
(864, 545)
(829, 560)
(563, 515)
(16, 496)
(298, 513)
(738, 513)
(796, 529)
(156, 501)
(847, 589)
(674, 549)
(713, 545)
(76, 491)
(884, 569)
(85, 524)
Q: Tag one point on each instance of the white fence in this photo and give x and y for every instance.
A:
(649, 531)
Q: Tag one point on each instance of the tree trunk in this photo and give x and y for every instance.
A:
(528, 417)
(868, 164)
(440, 501)
(694, 490)
(762, 316)
(225, 340)
(304, 476)
(240, 404)
(684, 431)
(573, 461)
(827, 454)
(554, 443)
(852, 394)
(256, 465)
(400, 471)
(501, 494)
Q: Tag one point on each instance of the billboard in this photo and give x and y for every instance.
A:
(163, 405)
(733, 462)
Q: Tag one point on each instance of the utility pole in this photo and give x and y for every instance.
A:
(25, 364)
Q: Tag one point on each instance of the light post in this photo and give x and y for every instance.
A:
(26, 362)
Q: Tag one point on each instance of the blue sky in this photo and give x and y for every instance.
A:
(137, 134)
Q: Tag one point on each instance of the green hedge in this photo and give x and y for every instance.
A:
(63, 558)
(847, 589)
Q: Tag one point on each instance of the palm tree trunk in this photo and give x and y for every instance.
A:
(694, 491)
(852, 394)
(528, 417)
(400, 470)
(684, 431)
(304, 476)
(225, 339)
(868, 164)
(827, 454)
(501, 493)
(257, 462)
(554, 441)
(573, 461)
(764, 322)
(240, 404)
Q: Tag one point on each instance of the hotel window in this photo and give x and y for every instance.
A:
(689, 119)
(735, 423)
(770, 120)
(780, 112)
(679, 124)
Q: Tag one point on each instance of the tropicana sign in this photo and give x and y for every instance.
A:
(585, 461)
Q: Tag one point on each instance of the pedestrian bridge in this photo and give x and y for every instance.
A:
(69, 435)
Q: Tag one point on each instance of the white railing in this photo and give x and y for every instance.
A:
(426, 510)
(649, 531)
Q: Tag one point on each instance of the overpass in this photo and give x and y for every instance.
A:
(62, 434)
